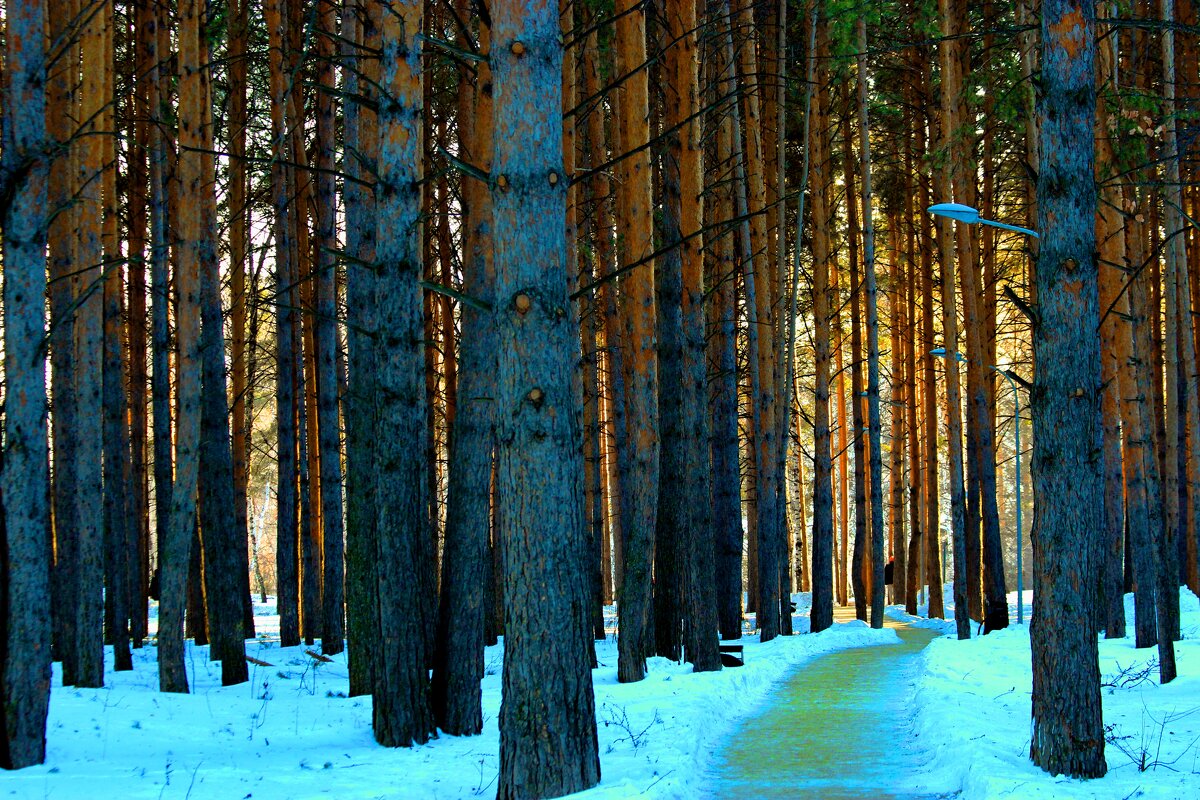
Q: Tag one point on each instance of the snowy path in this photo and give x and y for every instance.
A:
(841, 727)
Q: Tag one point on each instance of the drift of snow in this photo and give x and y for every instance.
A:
(292, 732)
(974, 705)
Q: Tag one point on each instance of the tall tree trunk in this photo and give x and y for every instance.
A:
(402, 715)
(547, 725)
(726, 461)
(874, 421)
(859, 557)
(137, 218)
(287, 531)
(699, 595)
(639, 494)
(24, 548)
(900, 400)
(951, 86)
(458, 654)
(822, 532)
(157, 33)
(359, 30)
(1114, 337)
(217, 498)
(1068, 736)
(89, 323)
(931, 549)
(333, 595)
(1142, 480)
(1180, 377)
(63, 236)
(172, 674)
(239, 214)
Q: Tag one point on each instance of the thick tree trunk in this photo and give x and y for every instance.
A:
(639, 493)
(1180, 377)
(1114, 337)
(160, 330)
(951, 86)
(822, 532)
(63, 234)
(858, 442)
(458, 653)
(726, 461)
(287, 531)
(402, 715)
(874, 420)
(218, 520)
(89, 322)
(239, 214)
(172, 674)
(361, 144)
(24, 549)
(1068, 735)
(699, 594)
(547, 723)
(333, 539)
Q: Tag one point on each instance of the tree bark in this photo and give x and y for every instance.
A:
(1068, 735)
(458, 653)
(402, 716)
(361, 144)
(547, 722)
(24, 549)
(172, 674)
(639, 494)
(821, 616)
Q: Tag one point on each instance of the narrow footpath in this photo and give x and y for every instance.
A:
(839, 729)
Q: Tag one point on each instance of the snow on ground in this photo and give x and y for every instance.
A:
(973, 710)
(292, 732)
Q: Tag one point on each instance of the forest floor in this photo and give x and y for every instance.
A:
(292, 732)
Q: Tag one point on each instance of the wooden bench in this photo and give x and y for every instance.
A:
(732, 655)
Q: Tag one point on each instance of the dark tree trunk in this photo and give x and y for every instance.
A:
(547, 722)
(361, 143)
(63, 351)
(287, 580)
(218, 522)
(402, 716)
(458, 646)
(821, 616)
(118, 517)
(333, 538)
(1068, 732)
(89, 326)
(24, 509)
(874, 421)
(177, 551)
(723, 443)
(639, 481)
(160, 290)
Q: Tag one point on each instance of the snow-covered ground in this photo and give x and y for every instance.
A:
(292, 732)
(973, 712)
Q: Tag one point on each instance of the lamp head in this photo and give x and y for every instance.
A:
(956, 211)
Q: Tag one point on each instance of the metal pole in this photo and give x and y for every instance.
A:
(1017, 460)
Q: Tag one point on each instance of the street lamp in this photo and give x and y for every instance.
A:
(970, 215)
(1017, 459)
(941, 352)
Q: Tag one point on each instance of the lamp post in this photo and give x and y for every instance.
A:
(941, 353)
(1017, 459)
(964, 213)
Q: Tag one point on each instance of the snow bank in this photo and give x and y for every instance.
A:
(292, 732)
(974, 715)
